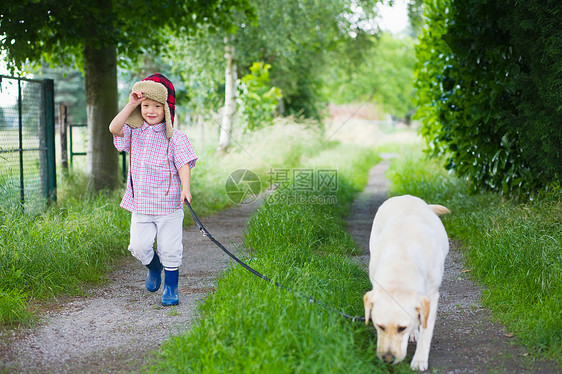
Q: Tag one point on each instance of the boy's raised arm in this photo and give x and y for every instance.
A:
(116, 125)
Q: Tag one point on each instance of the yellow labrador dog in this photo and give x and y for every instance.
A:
(408, 247)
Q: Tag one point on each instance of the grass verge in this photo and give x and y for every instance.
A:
(513, 249)
(249, 325)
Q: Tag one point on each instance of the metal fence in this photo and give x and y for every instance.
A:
(76, 136)
(27, 142)
(73, 141)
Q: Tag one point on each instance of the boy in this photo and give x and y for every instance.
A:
(160, 162)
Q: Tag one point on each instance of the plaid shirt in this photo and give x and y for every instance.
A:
(154, 166)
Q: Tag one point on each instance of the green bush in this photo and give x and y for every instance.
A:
(513, 249)
(488, 80)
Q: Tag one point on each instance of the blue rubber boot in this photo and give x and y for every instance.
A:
(170, 295)
(154, 276)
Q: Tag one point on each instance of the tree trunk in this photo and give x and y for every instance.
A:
(63, 129)
(100, 67)
(229, 95)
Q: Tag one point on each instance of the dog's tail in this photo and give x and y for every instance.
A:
(439, 209)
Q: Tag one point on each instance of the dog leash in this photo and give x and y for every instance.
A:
(311, 300)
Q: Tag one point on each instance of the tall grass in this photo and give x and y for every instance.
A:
(513, 249)
(250, 326)
(283, 145)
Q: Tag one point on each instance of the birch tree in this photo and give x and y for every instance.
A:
(230, 78)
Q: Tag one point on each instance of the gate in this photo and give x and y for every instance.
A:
(27, 142)
(67, 136)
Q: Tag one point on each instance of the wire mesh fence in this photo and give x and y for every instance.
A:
(27, 164)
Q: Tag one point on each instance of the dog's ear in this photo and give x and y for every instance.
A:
(368, 301)
(423, 311)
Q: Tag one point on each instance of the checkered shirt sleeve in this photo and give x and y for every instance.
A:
(122, 142)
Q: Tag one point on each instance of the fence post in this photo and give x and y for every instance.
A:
(20, 144)
(49, 107)
(63, 128)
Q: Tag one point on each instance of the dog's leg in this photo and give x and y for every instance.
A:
(414, 335)
(421, 356)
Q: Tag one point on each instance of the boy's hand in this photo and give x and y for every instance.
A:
(186, 195)
(116, 125)
(135, 98)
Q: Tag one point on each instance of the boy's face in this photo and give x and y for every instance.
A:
(152, 112)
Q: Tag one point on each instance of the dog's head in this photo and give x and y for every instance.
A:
(397, 315)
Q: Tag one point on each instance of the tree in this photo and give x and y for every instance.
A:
(296, 37)
(383, 74)
(488, 78)
(293, 36)
(91, 34)
(230, 77)
(258, 100)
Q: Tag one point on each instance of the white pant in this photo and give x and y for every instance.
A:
(168, 229)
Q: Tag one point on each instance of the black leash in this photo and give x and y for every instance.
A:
(260, 275)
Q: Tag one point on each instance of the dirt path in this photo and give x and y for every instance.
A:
(464, 341)
(117, 326)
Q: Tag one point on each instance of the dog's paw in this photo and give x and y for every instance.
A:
(414, 335)
(420, 365)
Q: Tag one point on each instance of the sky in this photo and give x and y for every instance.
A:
(3, 69)
(395, 18)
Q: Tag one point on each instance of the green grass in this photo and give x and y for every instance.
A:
(513, 249)
(249, 325)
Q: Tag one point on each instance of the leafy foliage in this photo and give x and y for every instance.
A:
(257, 99)
(488, 79)
(57, 30)
(384, 74)
(295, 37)
(90, 35)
